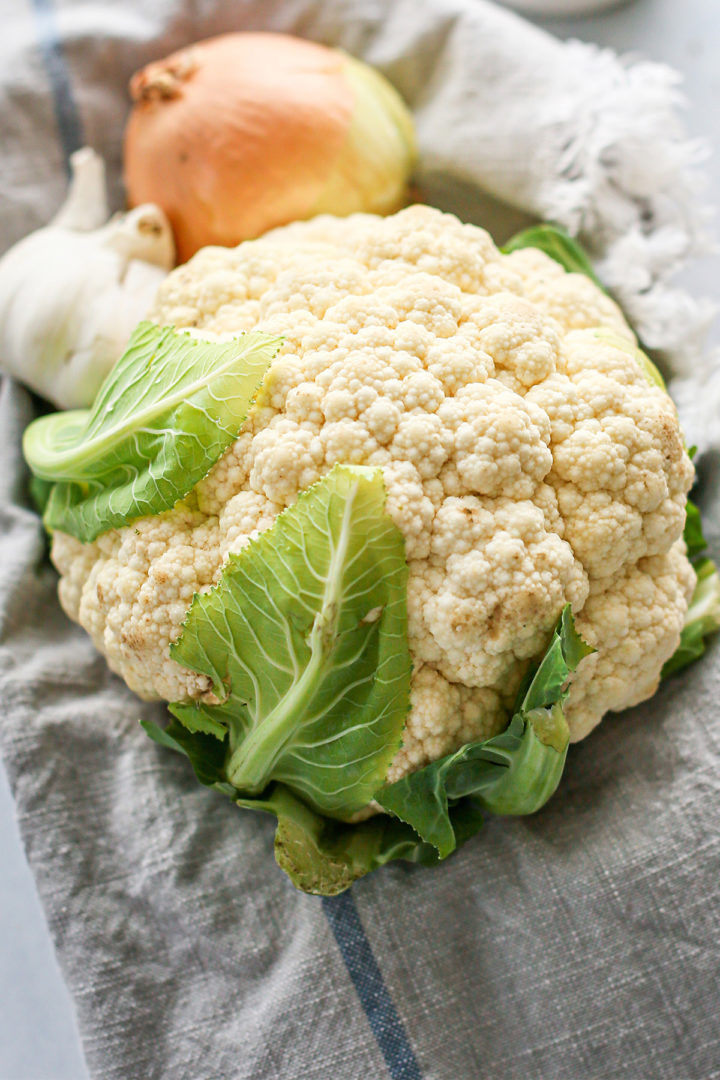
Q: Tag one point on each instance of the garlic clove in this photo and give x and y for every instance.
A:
(143, 233)
(72, 293)
(109, 318)
(85, 205)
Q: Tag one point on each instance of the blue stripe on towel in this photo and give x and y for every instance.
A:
(66, 113)
(386, 1025)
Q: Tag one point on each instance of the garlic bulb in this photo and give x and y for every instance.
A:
(72, 292)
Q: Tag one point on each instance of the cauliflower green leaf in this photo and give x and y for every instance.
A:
(693, 535)
(515, 772)
(324, 856)
(559, 245)
(305, 641)
(702, 619)
(432, 812)
(206, 754)
(167, 411)
(703, 614)
(319, 854)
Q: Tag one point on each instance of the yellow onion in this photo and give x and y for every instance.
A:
(243, 132)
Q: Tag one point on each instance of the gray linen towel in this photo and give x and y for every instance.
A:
(579, 944)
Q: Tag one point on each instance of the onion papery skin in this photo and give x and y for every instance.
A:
(247, 131)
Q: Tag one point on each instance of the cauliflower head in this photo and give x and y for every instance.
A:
(528, 462)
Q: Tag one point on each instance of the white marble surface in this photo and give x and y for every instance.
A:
(38, 1036)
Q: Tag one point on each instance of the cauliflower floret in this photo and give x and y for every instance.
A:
(503, 577)
(634, 622)
(528, 463)
(135, 594)
(444, 714)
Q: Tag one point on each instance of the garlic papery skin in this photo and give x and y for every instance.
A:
(71, 293)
